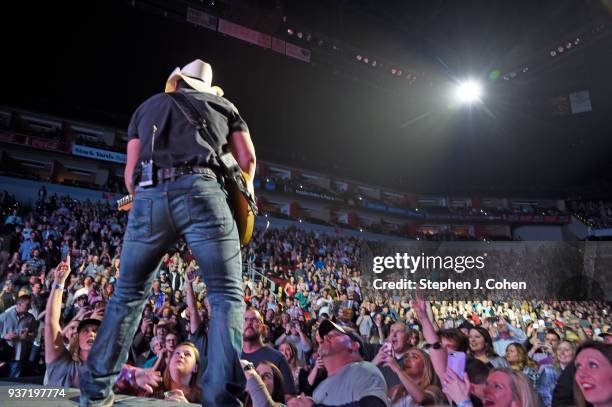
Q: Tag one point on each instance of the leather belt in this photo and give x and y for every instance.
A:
(172, 173)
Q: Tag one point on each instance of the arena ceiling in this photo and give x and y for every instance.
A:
(98, 61)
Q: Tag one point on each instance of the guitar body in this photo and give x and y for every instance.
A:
(243, 215)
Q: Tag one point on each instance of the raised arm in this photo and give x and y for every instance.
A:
(194, 317)
(438, 356)
(54, 342)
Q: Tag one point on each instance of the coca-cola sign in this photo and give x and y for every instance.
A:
(34, 142)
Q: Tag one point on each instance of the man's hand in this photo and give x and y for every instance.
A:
(190, 273)
(9, 336)
(493, 331)
(390, 361)
(98, 313)
(145, 325)
(419, 304)
(62, 271)
(380, 357)
(320, 364)
(147, 379)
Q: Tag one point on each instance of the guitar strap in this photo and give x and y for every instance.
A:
(229, 165)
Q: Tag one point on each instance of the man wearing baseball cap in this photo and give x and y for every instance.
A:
(351, 381)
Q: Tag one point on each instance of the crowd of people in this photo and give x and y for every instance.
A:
(314, 334)
(597, 214)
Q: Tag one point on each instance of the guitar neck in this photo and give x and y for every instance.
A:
(125, 203)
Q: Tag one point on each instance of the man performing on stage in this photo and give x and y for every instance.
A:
(178, 192)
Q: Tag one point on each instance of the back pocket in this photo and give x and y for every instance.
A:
(140, 219)
(209, 214)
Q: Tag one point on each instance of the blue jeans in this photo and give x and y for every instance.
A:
(194, 206)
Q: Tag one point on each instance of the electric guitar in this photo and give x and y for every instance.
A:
(242, 206)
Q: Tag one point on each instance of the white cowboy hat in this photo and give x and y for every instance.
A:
(197, 74)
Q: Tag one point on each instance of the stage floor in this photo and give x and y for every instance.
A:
(24, 395)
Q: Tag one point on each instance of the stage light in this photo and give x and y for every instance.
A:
(300, 35)
(553, 53)
(366, 60)
(289, 31)
(359, 57)
(469, 92)
(569, 45)
(393, 71)
(560, 49)
(374, 63)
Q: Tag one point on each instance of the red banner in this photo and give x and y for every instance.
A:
(35, 142)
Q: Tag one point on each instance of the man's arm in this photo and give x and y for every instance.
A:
(133, 153)
(54, 342)
(305, 342)
(243, 151)
(438, 356)
(517, 333)
(194, 317)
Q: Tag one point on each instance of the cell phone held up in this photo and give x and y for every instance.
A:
(456, 362)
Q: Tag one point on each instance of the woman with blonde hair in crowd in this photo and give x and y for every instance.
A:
(549, 374)
(419, 384)
(516, 355)
(289, 351)
(505, 388)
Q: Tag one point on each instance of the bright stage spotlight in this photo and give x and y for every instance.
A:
(468, 92)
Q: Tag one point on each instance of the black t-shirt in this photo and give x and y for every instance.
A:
(200, 340)
(175, 140)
